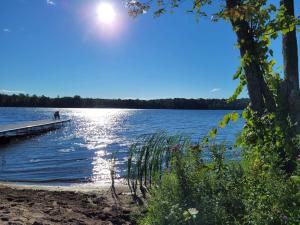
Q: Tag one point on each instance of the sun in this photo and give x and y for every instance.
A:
(106, 13)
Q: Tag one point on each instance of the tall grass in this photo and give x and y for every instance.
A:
(187, 189)
(150, 156)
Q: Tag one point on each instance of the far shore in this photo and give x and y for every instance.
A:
(77, 204)
(22, 100)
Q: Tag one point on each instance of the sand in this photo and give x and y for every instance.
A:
(37, 205)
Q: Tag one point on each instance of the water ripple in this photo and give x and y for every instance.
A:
(82, 151)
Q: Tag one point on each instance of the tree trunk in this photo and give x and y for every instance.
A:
(297, 111)
(291, 72)
(260, 95)
(290, 50)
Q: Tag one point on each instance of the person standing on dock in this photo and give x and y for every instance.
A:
(56, 115)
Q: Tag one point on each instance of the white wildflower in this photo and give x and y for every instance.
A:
(193, 211)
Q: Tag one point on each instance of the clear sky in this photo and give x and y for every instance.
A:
(62, 47)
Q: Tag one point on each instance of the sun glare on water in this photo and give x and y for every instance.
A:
(106, 13)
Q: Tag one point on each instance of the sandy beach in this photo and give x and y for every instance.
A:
(48, 205)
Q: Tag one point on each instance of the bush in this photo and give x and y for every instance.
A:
(186, 189)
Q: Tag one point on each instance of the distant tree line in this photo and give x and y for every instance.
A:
(22, 100)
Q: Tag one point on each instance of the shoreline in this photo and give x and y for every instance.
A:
(75, 187)
(89, 204)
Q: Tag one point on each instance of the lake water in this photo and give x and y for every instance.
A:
(81, 151)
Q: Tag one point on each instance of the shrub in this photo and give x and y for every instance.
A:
(187, 189)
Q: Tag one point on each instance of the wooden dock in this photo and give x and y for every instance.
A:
(16, 130)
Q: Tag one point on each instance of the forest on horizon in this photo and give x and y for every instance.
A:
(22, 100)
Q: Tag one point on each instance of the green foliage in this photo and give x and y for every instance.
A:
(267, 136)
(222, 124)
(265, 20)
(262, 188)
(192, 190)
(238, 90)
(213, 132)
(227, 118)
(270, 197)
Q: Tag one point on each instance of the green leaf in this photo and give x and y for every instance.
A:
(272, 7)
(222, 124)
(274, 35)
(205, 141)
(238, 90)
(159, 12)
(238, 73)
(213, 132)
(245, 114)
(225, 121)
(295, 179)
(234, 116)
(271, 52)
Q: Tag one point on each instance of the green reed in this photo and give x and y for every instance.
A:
(150, 156)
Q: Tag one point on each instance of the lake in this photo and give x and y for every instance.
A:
(81, 151)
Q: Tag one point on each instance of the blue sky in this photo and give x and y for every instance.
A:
(58, 47)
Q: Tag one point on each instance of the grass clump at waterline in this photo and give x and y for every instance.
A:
(181, 187)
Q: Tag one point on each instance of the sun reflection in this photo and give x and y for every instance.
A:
(100, 130)
(101, 168)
